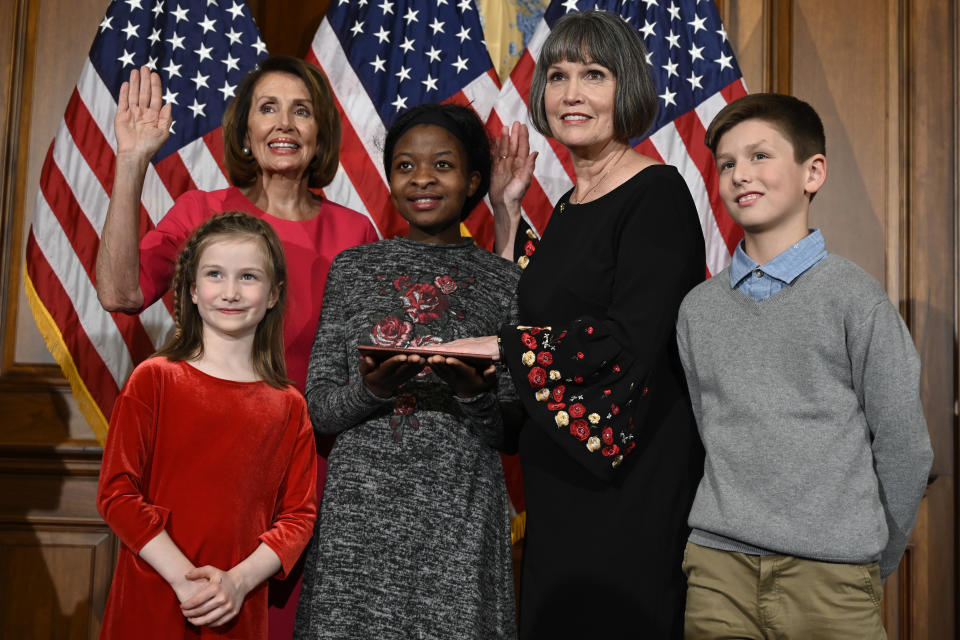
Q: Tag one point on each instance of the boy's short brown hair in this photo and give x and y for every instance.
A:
(792, 117)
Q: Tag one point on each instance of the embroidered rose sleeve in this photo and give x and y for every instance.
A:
(590, 382)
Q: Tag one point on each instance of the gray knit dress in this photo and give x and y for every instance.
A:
(412, 539)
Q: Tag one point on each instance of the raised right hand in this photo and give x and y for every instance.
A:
(383, 378)
(512, 167)
(142, 123)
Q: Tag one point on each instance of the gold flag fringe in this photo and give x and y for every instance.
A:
(58, 348)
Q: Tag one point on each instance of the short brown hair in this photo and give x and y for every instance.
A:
(796, 120)
(603, 38)
(187, 341)
(242, 167)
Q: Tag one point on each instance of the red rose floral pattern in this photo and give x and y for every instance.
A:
(583, 406)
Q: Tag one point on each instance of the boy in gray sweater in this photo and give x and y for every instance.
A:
(805, 384)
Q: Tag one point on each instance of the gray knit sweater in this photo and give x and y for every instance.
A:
(809, 409)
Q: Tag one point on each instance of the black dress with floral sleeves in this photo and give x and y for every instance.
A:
(610, 453)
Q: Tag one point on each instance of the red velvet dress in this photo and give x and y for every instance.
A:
(310, 247)
(222, 466)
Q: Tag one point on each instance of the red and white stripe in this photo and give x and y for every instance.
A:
(360, 182)
(70, 210)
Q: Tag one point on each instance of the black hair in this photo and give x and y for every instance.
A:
(465, 126)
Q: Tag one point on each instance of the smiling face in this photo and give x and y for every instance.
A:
(762, 185)
(429, 182)
(233, 288)
(281, 127)
(579, 102)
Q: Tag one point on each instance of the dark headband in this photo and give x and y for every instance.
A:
(435, 117)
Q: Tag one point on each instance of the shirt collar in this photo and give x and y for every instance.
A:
(789, 265)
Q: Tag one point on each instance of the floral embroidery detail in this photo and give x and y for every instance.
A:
(545, 358)
(616, 461)
(528, 358)
(425, 341)
(646, 390)
(614, 409)
(554, 406)
(607, 392)
(594, 418)
(630, 447)
(578, 379)
(562, 418)
(616, 368)
(589, 331)
(523, 261)
(580, 355)
(558, 392)
(537, 377)
(528, 340)
(404, 406)
(401, 283)
(580, 430)
(593, 443)
(611, 450)
(529, 248)
(446, 284)
(607, 435)
(391, 332)
(424, 303)
(542, 395)
(577, 410)
(554, 374)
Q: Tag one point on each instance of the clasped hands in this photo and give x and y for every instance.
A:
(210, 596)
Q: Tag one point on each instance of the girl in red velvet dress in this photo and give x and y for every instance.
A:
(209, 467)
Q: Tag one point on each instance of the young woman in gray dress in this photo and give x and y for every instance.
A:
(412, 539)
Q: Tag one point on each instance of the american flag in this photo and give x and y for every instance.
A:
(696, 75)
(202, 49)
(384, 57)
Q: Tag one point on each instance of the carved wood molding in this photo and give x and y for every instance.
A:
(10, 159)
(778, 45)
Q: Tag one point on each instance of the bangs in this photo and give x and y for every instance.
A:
(580, 41)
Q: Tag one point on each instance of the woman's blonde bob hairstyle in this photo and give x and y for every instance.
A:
(187, 341)
(600, 37)
(242, 167)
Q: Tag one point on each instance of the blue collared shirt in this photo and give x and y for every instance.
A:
(759, 282)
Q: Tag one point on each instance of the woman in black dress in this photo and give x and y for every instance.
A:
(610, 453)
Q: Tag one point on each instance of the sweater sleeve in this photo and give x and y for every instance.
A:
(588, 383)
(296, 509)
(495, 415)
(335, 393)
(689, 363)
(125, 469)
(886, 375)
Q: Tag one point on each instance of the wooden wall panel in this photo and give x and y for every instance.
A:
(56, 554)
(883, 76)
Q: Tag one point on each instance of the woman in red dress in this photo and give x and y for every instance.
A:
(281, 141)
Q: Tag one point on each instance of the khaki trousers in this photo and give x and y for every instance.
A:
(735, 595)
